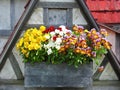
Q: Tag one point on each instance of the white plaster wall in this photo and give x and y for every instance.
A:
(7, 71)
(37, 17)
(108, 73)
(78, 17)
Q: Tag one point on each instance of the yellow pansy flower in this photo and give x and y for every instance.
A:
(26, 39)
(36, 46)
(20, 42)
(30, 47)
(43, 39)
(42, 28)
(17, 46)
(86, 31)
(47, 36)
(24, 51)
(26, 44)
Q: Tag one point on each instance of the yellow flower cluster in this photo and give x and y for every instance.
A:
(32, 40)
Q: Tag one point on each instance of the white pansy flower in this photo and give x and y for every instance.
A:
(57, 31)
(63, 27)
(51, 44)
(52, 33)
(49, 51)
(65, 31)
(58, 41)
(61, 33)
(45, 46)
(57, 47)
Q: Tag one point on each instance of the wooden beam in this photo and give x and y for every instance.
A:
(38, 25)
(58, 5)
(16, 32)
(15, 66)
(117, 46)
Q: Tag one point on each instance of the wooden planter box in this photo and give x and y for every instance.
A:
(44, 75)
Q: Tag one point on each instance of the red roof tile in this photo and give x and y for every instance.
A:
(105, 11)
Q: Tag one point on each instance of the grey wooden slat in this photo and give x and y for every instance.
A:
(16, 33)
(57, 16)
(62, 14)
(5, 32)
(57, 5)
(38, 25)
(117, 47)
(97, 74)
(69, 17)
(45, 16)
(15, 66)
(11, 82)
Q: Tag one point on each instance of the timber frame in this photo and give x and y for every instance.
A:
(30, 6)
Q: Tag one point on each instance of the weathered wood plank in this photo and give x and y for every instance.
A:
(57, 16)
(69, 17)
(97, 85)
(38, 25)
(60, 75)
(117, 49)
(58, 5)
(15, 66)
(45, 16)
